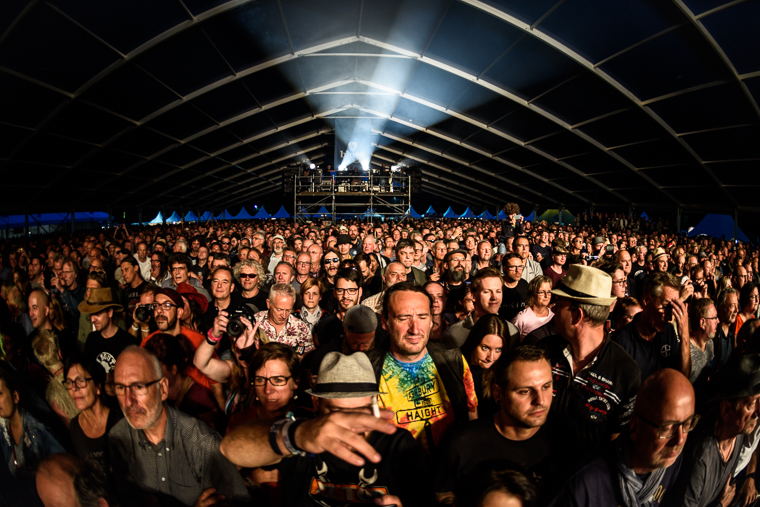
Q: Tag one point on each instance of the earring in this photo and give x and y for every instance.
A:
(295, 397)
(256, 398)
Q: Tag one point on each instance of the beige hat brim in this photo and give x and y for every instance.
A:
(585, 300)
(336, 396)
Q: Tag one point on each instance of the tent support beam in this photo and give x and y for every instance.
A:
(678, 220)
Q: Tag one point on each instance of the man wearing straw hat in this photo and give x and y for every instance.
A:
(595, 380)
(349, 424)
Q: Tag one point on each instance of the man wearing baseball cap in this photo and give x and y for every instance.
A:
(108, 340)
(349, 424)
(595, 380)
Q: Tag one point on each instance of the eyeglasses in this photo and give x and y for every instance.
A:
(620, 282)
(351, 292)
(668, 429)
(710, 318)
(288, 256)
(303, 263)
(277, 381)
(80, 382)
(138, 389)
(246, 276)
(544, 293)
(166, 305)
(514, 268)
(331, 261)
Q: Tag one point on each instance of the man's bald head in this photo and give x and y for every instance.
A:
(64, 480)
(664, 401)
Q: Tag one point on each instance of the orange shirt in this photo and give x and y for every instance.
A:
(196, 339)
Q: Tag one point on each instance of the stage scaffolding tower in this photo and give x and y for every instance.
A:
(366, 196)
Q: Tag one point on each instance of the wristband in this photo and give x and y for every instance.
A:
(135, 328)
(292, 434)
(145, 330)
(286, 438)
(213, 344)
(211, 337)
(273, 431)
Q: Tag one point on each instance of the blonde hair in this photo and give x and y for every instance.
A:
(45, 346)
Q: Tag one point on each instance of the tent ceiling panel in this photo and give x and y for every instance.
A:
(548, 94)
(458, 38)
(716, 107)
(31, 104)
(680, 58)
(592, 28)
(735, 32)
(531, 68)
(234, 34)
(54, 59)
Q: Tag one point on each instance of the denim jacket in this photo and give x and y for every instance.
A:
(36, 444)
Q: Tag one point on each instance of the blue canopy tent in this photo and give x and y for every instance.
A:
(36, 219)
(486, 215)
(718, 226)
(413, 213)
(322, 212)
(158, 220)
(430, 211)
(262, 214)
(190, 217)
(281, 213)
(206, 217)
(467, 213)
(174, 218)
(644, 216)
(529, 218)
(449, 213)
(502, 215)
(243, 215)
(224, 215)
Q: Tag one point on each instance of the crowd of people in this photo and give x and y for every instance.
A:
(608, 362)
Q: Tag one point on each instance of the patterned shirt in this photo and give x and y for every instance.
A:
(295, 333)
(375, 302)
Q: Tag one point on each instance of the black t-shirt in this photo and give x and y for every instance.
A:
(130, 300)
(544, 251)
(598, 401)
(372, 286)
(259, 300)
(663, 351)
(324, 480)
(454, 295)
(95, 449)
(513, 300)
(480, 442)
(105, 350)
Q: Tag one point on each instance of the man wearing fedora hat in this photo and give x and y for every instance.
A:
(348, 426)
(108, 340)
(595, 380)
(733, 407)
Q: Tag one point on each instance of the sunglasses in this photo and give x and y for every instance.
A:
(332, 261)
(246, 276)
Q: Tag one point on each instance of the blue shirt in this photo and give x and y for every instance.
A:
(663, 351)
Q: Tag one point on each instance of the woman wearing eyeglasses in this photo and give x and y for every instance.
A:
(537, 311)
(85, 381)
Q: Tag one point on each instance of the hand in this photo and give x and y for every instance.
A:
(727, 495)
(209, 497)
(434, 277)
(339, 433)
(748, 493)
(388, 500)
(681, 314)
(248, 337)
(220, 324)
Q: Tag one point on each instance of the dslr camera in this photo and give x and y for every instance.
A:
(144, 312)
(234, 327)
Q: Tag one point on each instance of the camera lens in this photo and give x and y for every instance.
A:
(235, 328)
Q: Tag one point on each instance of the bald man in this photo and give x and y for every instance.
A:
(64, 480)
(662, 417)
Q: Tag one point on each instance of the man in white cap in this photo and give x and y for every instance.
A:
(348, 425)
(595, 380)
(278, 244)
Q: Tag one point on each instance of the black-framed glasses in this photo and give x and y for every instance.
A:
(166, 305)
(138, 389)
(669, 428)
(620, 282)
(79, 382)
(277, 381)
(351, 292)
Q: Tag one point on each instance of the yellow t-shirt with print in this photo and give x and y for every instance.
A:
(418, 399)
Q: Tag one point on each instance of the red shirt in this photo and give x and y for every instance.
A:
(196, 339)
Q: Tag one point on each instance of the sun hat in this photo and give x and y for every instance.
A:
(738, 378)
(659, 252)
(99, 300)
(191, 292)
(586, 285)
(342, 376)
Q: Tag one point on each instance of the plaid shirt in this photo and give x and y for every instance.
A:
(295, 332)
